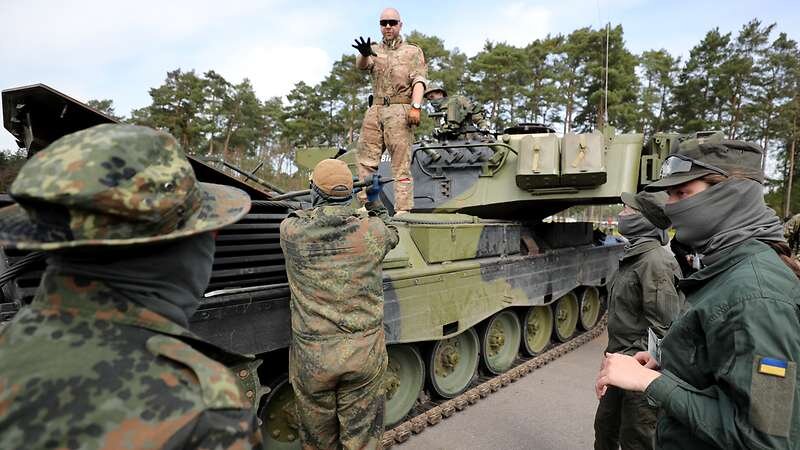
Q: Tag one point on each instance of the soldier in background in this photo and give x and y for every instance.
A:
(458, 115)
(338, 351)
(398, 73)
(791, 231)
(102, 357)
(727, 376)
(642, 296)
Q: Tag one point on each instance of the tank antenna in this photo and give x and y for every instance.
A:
(605, 106)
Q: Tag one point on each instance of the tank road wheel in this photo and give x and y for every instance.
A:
(566, 314)
(452, 363)
(537, 329)
(500, 338)
(403, 383)
(590, 307)
(278, 416)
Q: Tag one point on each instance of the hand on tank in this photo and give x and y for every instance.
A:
(624, 372)
(364, 47)
(413, 116)
(374, 189)
(647, 360)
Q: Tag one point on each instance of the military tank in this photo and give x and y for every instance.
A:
(477, 279)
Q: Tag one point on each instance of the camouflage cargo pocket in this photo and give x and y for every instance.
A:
(220, 389)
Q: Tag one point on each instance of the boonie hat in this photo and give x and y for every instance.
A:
(650, 205)
(697, 157)
(333, 178)
(113, 185)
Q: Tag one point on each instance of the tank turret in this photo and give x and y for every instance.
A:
(529, 172)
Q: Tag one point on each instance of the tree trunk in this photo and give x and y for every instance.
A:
(231, 127)
(787, 208)
(657, 125)
(601, 114)
(568, 113)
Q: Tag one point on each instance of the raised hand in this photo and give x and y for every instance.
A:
(364, 47)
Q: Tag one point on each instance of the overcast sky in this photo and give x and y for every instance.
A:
(93, 49)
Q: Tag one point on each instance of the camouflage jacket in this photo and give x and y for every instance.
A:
(460, 111)
(83, 369)
(791, 231)
(334, 261)
(396, 70)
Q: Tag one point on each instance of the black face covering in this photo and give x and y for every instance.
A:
(636, 228)
(681, 251)
(167, 278)
(724, 215)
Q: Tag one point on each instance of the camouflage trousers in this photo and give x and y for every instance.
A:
(624, 420)
(338, 387)
(385, 127)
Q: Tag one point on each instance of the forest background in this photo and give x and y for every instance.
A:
(746, 84)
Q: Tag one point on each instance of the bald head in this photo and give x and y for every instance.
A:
(390, 24)
(389, 14)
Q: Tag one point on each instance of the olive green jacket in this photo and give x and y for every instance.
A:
(642, 295)
(743, 307)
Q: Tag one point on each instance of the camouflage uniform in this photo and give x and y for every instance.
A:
(338, 352)
(395, 70)
(458, 112)
(83, 367)
(791, 231)
(83, 370)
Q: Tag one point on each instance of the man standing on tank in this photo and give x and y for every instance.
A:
(642, 296)
(399, 76)
(338, 351)
(102, 357)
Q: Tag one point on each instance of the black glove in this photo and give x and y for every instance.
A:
(364, 47)
(374, 190)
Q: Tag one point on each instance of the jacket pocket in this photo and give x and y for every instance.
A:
(772, 396)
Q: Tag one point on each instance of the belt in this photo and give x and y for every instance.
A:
(397, 100)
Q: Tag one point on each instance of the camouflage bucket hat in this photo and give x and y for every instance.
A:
(333, 178)
(650, 205)
(113, 185)
(700, 156)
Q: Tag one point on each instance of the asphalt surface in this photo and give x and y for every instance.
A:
(551, 408)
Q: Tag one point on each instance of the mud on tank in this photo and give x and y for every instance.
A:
(477, 277)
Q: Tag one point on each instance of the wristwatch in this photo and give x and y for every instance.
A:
(416, 106)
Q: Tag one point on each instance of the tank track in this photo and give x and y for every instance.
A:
(431, 412)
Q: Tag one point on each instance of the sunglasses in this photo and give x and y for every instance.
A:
(681, 164)
(389, 23)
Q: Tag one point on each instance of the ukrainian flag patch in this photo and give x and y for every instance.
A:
(773, 366)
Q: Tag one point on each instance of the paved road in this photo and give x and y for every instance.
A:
(549, 409)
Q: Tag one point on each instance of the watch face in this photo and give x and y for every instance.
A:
(416, 106)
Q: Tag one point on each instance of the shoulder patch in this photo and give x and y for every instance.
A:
(219, 387)
(772, 391)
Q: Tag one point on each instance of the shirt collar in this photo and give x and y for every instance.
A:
(722, 261)
(393, 44)
(643, 246)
